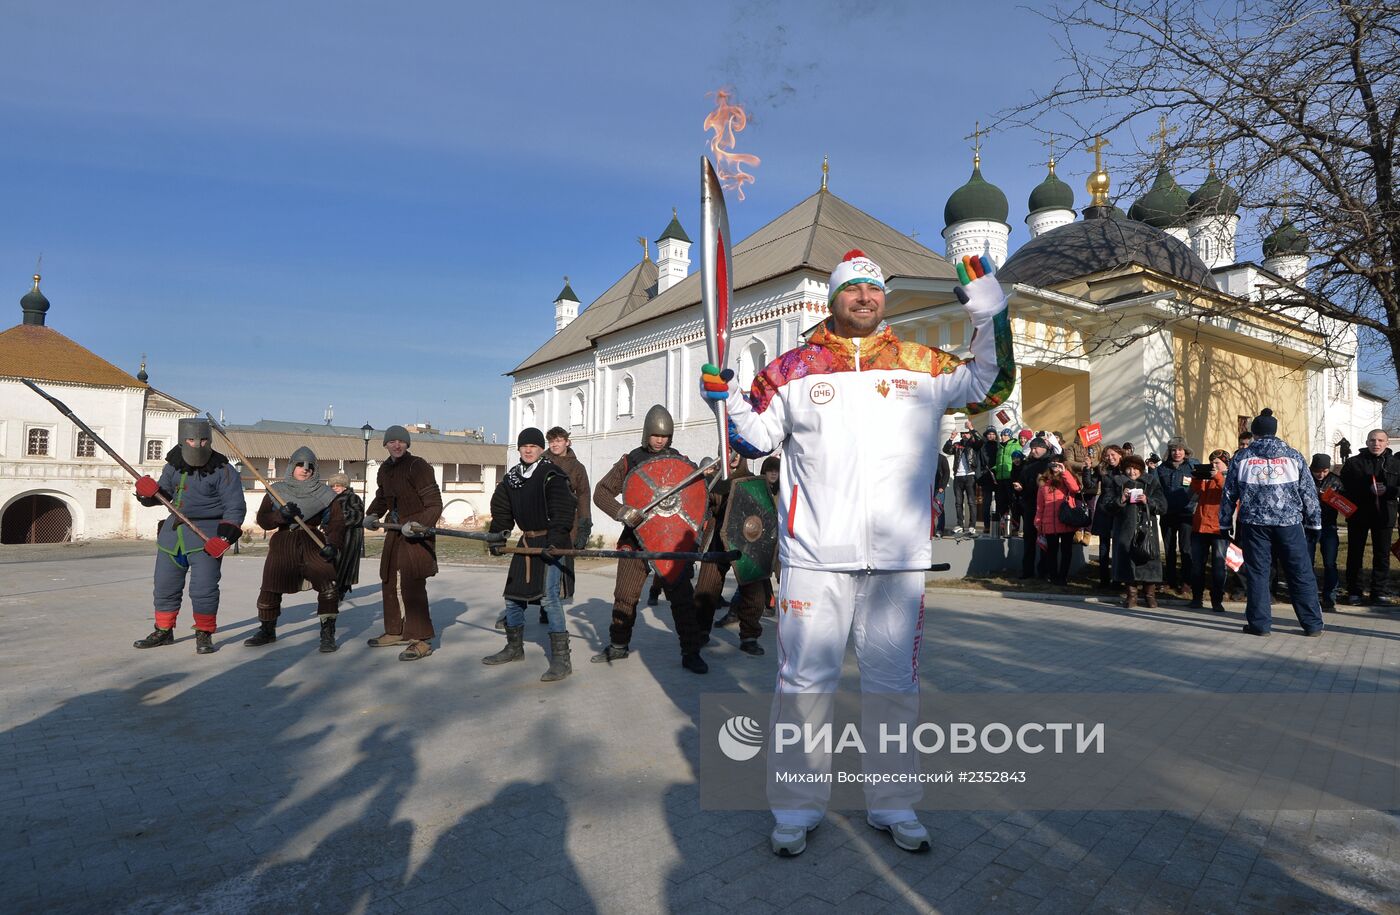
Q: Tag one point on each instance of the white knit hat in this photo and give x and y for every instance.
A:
(855, 267)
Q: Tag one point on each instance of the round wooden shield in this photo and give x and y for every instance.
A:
(674, 524)
(751, 527)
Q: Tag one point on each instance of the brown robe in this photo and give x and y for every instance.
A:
(407, 491)
(293, 557)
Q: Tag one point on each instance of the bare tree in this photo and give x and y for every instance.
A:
(1297, 102)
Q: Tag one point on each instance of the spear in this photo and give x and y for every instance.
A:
(495, 539)
(242, 459)
(63, 408)
(716, 289)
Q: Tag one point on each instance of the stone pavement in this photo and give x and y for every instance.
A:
(279, 779)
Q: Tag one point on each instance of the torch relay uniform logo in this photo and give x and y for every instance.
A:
(740, 738)
(822, 393)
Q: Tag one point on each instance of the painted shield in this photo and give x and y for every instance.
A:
(751, 527)
(675, 524)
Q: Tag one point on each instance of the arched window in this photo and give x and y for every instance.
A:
(576, 410)
(527, 415)
(752, 359)
(624, 396)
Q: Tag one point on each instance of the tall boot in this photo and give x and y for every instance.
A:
(1150, 596)
(560, 665)
(327, 634)
(1130, 597)
(266, 634)
(514, 650)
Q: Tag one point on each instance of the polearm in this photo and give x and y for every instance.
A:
(243, 459)
(63, 408)
(716, 289)
(486, 537)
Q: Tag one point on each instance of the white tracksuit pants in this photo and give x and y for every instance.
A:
(817, 612)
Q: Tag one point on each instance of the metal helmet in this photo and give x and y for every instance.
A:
(658, 422)
(198, 429)
(302, 455)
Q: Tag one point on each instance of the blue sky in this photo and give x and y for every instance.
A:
(289, 205)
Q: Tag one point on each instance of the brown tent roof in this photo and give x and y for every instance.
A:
(812, 235)
(256, 444)
(41, 353)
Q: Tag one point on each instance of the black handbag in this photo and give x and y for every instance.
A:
(1138, 551)
(1073, 515)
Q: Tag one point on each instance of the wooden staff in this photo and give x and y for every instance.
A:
(63, 408)
(242, 458)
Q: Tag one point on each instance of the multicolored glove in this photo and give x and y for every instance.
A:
(714, 384)
(980, 293)
(147, 488)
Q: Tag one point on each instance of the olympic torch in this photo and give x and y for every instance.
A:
(716, 289)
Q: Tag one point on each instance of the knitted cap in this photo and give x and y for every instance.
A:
(529, 436)
(396, 434)
(855, 267)
(1321, 462)
(1265, 423)
(1025, 435)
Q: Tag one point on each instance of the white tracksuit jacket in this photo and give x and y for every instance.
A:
(857, 422)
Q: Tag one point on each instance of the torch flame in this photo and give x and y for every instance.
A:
(726, 121)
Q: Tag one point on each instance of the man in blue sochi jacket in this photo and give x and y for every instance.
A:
(1277, 499)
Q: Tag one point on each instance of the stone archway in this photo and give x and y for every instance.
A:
(36, 519)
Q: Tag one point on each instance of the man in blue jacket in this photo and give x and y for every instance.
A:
(1277, 499)
(1175, 476)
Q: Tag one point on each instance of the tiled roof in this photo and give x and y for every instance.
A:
(39, 352)
(626, 295)
(812, 235)
(277, 439)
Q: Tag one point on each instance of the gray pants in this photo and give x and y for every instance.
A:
(203, 572)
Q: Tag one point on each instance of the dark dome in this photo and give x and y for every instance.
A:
(1095, 245)
(1051, 194)
(1284, 241)
(1214, 198)
(978, 199)
(1164, 206)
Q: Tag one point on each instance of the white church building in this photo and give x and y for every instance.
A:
(1143, 322)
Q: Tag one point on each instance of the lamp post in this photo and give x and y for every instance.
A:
(367, 431)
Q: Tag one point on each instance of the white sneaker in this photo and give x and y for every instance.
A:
(957, 530)
(788, 841)
(909, 835)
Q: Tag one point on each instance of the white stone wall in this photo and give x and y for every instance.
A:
(1043, 221)
(1213, 239)
(977, 237)
(117, 415)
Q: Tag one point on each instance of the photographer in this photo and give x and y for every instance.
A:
(1137, 552)
(1208, 544)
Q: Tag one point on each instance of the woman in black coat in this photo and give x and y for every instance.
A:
(1104, 474)
(1135, 508)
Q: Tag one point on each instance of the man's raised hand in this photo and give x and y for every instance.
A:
(714, 384)
(979, 292)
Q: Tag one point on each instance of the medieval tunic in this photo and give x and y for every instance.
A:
(347, 562)
(407, 491)
(208, 495)
(292, 556)
(632, 573)
(583, 514)
(539, 501)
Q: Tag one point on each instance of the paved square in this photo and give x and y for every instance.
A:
(279, 779)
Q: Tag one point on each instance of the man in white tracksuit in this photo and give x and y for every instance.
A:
(856, 412)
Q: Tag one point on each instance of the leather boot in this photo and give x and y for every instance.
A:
(155, 639)
(1130, 597)
(1149, 596)
(514, 650)
(266, 635)
(204, 642)
(560, 665)
(328, 635)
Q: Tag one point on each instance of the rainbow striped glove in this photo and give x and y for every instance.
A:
(980, 293)
(714, 384)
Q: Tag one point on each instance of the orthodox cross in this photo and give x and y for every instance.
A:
(976, 138)
(1096, 148)
(646, 249)
(1163, 132)
(825, 171)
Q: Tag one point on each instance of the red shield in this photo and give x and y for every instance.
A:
(673, 525)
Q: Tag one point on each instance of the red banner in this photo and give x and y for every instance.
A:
(1333, 499)
(1090, 435)
(1234, 557)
